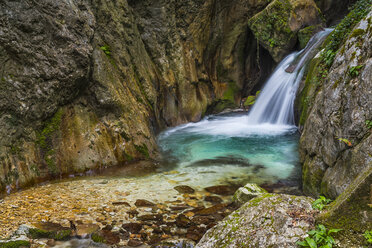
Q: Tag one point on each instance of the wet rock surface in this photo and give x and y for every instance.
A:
(60, 212)
(336, 143)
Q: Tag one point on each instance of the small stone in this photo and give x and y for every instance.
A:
(246, 193)
(143, 203)
(132, 212)
(184, 189)
(121, 204)
(221, 189)
(150, 217)
(213, 199)
(212, 210)
(132, 227)
(134, 242)
(182, 221)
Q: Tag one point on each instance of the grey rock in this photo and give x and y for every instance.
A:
(341, 108)
(266, 221)
(248, 192)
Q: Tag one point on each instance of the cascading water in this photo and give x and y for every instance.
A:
(276, 102)
(234, 148)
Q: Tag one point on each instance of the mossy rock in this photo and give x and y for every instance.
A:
(56, 232)
(250, 101)
(15, 244)
(98, 238)
(305, 34)
(231, 92)
(352, 210)
(219, 106)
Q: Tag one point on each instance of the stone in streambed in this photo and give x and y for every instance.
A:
(150, 217)
(132, 227)
(144, 203)
(85, 229)
(212, 210)
(213, 199)
(246, 193)
(184, 189)
(121, 204)
(134, 242)
(221, 189)
(106, 236)
(182, 221)
(50, 230)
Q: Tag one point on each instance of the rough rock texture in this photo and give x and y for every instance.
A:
(339, 114)
(89, 84)
(351, 211)
(266, 221)
(277, 25)
(248, 192)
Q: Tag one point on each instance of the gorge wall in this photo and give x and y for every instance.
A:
(89, 84)
(336, 142)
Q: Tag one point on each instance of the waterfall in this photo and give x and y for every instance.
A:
(275, 104)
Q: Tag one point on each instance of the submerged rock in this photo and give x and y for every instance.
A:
(184, 189)
(266, 221)
(222, 189)
(144, 203)
(246, 193)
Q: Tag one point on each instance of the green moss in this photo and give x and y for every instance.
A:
(219, 105)
(106, 49)
(270, 26)
(143, 150)
(338, 36)
(356, 33)
(306, 95)
(250, 101)
(50, 127)
(36, 233)
(305, 34)
(44, 139)
(231, 92)
(15, 244)
(97, 238)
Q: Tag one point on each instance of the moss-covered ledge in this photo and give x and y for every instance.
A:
(352, 210)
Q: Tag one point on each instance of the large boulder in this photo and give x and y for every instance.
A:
(352, 210)
(268, 220)
(336, 143)
(277, 25)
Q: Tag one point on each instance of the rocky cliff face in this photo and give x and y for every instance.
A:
(336, 143)
(88, 84)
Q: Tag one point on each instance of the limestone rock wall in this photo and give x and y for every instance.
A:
(89, 84)
(336, 143)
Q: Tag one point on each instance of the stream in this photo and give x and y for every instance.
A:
(227, 150)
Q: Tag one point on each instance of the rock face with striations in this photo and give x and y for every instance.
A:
(336, 143)
(89, 84)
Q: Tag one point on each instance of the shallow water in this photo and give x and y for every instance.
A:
(227, 149)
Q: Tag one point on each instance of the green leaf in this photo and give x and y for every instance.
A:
(311, 242)
(334, 231)
(302, 243)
